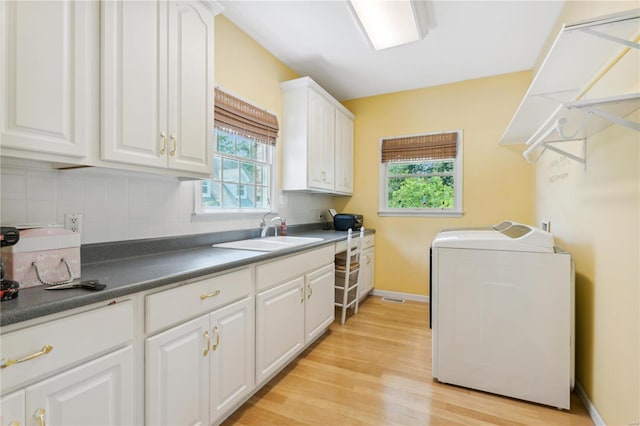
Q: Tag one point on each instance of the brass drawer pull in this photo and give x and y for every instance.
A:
(7, 362)
(207, 342)
(206, 296)
(215, 346)
(39, 414)
(163, 136)
(175, 145)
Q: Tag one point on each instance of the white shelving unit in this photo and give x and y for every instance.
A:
(557, 107)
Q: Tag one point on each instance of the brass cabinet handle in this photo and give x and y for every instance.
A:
(14, 423)
(207, 343)
(302, 294)
(310, 291)
(217, 333)
(175, 144)
(163, 136)
(7, 362)
(206, 296)
(39, 414)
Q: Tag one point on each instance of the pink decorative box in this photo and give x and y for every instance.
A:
(55, 252)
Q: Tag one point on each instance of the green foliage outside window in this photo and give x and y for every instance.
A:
(421, 185)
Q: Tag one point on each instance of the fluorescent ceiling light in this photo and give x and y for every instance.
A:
(389, 23)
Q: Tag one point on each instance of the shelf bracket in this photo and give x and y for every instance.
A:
(581, 160)
(609, 37)
(612, 117)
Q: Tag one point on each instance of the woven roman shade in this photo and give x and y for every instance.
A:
(237, 116)
(424, 147)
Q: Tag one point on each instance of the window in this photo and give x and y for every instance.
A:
(243, 146)
(421, 175)
(241, 174)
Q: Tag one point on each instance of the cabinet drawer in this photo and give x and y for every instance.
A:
(278, 271)
(369, 241)
(72, 339)
(181, 303)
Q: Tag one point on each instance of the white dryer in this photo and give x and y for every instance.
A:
(502, 302)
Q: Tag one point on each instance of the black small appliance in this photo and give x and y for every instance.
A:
(8, 288)
(345, 221)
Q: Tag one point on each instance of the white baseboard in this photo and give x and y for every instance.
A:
(591, 409)
(399, 295)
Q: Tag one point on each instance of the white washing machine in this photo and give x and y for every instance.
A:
(502, 302)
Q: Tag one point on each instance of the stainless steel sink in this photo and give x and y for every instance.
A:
(268, 243)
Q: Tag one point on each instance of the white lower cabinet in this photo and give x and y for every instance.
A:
(12, 409)
(232, 356)
(197, 371)
(99, 392)
(75, 370)
(367, 262)
(279, 326)
(319, 311)
(177, 375)
(367, 267)
(292, 314)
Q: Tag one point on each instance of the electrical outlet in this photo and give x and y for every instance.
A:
(73, 222)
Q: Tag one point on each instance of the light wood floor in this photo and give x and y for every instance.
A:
(376, 370)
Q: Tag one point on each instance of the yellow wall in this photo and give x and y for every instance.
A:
(497, 182)
(595, 214)
(246, 69)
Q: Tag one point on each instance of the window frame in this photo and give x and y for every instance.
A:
(201, 210)
(383, 192)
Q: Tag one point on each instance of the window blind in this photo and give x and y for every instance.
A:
(436, 146)
(237, 116)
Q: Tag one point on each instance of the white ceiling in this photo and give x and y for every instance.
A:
(466, 40)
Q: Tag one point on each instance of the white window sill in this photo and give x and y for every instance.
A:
(224, 214)
(421, 213)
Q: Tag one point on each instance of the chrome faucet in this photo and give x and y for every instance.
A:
(266, 227)
(263, 224)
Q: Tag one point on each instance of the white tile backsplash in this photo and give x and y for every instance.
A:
(119, 206)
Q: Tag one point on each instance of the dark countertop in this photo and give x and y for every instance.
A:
(149, 264)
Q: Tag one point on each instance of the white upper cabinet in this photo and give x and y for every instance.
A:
(317, 140)
(344, 154)
(47, 79)
(158, 84)
(321, 142)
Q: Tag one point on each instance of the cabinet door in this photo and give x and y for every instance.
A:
(177, 375)
(279, 326)
(344, 154)
(321, 142)
(232, 355)
(46, 83)
(319, 311)
(99, 392)
(367, 262)
(191, 86)
(134, 90)
(12, 409)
